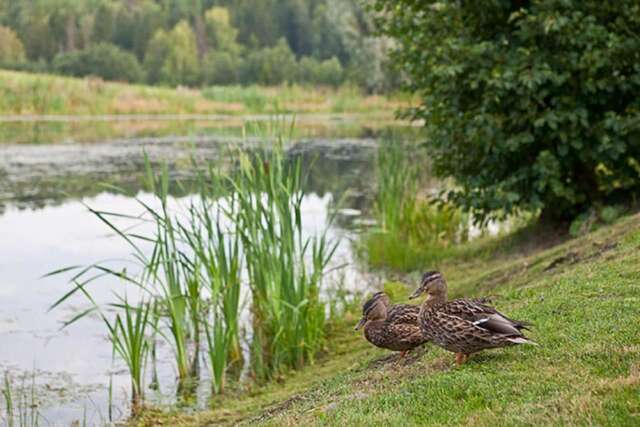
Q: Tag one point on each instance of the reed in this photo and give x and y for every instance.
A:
(130, 339)
(244, 224)
(397, 176)
(284, 266)
(129, 334)
(413, 230)
(20, 402)
(217, 253)
(8, 400)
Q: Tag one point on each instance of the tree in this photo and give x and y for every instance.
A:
(172, 58)
(105, 22)
(148, 18)
(327, 40)
(221, 34)
(32, 26)
(271, 65)
(294, 18)
(254, 19)
(11, 49)
(529, 105)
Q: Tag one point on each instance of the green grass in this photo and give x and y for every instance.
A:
(582, 296)
(26, 93)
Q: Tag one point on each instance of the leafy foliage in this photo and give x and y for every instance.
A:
(11, 49)
(529, 105)
(202, 41)
(102, 60)
(172, 58)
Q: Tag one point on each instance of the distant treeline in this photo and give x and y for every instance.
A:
(197, 42)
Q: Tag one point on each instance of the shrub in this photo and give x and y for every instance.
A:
(528, 105)
(102, 60)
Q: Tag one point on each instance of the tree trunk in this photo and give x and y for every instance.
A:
(70, 30)
(201, 36)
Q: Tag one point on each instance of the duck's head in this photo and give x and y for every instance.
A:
(374, 309)
(431, 283)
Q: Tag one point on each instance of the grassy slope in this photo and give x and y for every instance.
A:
(24, 93)
(583, 296)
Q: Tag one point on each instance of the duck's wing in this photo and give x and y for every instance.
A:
(484, 316)
(403, 313)
(406, 334)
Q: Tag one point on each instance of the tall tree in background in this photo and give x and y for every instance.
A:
(222, 62)
(11, 49)
(172, 58)
(236, 40)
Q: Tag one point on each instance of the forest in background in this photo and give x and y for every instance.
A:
(198, 42)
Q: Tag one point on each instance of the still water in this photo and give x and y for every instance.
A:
(46, 188)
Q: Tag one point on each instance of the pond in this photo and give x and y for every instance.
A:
(46, 187)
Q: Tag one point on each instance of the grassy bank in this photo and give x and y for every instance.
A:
(581, 295)
(25, 93)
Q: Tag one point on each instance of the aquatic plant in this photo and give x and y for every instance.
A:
(412, 230)
(128, 332)
(8, 399)
(283, 266)
(217, 254)
(130, 340)
(20, 402)
(246, 223)
(397, 179)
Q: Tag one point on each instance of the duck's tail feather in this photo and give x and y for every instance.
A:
(522, 340)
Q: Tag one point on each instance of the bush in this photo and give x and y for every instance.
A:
(528, 105)
(102, 60)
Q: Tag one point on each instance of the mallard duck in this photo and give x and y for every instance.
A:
(464, 326)
(392, 327)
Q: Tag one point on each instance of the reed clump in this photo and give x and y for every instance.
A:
(284, 267)
(238, 240)
(413, 228)
(19, 406)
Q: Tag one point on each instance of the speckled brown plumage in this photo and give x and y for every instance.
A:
(391, 327)
(404, 313)
(464, 326)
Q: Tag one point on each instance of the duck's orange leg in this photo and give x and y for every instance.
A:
(459, 359)
(404, 353)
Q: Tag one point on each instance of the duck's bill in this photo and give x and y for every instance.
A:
(416, 293)
(360, 324)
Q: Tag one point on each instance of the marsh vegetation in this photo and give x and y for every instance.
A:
(238, 243)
